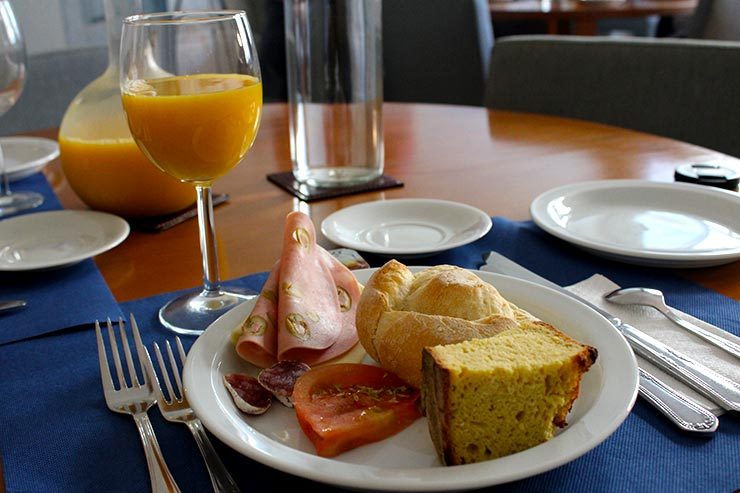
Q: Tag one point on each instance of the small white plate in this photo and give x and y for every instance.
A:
(675, 225)
(58, 238)
(25, 156)
(407, 461)
(406, 226)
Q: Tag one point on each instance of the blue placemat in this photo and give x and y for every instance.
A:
(58, 436)
(57, 298)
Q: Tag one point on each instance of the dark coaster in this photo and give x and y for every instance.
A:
(163, 223)
(308, 193)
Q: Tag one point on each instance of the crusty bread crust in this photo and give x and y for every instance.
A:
(385, 290)
(399, 314)
(401, 337)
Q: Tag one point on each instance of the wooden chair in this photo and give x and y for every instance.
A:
(678, 88)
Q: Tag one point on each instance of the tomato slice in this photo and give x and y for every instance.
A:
(343, 406)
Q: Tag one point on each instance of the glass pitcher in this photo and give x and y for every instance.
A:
(99, 158)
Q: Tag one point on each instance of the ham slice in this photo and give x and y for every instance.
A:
(306, 310)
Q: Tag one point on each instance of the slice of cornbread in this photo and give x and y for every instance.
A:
(486, 398)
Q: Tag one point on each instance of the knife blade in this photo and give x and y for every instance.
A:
(709, 383)
(11, 305)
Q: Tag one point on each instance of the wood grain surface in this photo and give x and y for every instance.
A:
(496, 161)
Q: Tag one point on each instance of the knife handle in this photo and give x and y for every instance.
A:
(684, 412)
(709, 383)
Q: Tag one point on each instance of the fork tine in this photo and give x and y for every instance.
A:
(127, 354)
(144, 359)
(183, 358)
(103, 360)
(175, 370)
(165, 373)
(116, 356)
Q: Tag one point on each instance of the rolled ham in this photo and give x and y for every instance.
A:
(306, 310)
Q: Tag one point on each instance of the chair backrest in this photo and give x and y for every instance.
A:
(267, 21)
(716, 19)
(436, 51)
(52, 80)
(678, 88)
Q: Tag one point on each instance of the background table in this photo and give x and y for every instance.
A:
(496, 161)
(577, 17)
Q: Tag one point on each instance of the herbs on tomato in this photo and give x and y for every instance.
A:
(343, 406)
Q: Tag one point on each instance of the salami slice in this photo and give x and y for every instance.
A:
(280, 378)
(249, 396)
(307, 307)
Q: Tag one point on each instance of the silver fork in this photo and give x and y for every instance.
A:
(177, 409)
(135, 399)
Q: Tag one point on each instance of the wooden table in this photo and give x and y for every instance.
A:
(580, 17)
(496, 161)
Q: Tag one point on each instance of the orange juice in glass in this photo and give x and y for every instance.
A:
(192, 93)
(195, 128)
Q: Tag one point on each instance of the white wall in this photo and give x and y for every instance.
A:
(42, 24)
(51, 25)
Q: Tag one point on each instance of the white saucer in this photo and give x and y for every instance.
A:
(406, 226)
(408, 461)
(57, 238)
(676, 225)
(25, 156)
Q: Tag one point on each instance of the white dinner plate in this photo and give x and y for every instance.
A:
(25, 156)
(647, 223)
(44, 240)
(406, 226)
(407, 461)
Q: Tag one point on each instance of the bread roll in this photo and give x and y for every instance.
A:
(400, 313)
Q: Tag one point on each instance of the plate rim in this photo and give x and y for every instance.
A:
(364, 247)
(120, 226)
(30, 167)
(538, 211)
(439, 478)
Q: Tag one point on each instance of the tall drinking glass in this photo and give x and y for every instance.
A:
(12, 78)
(192, 92)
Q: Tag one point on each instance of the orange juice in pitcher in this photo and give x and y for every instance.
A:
(100, 159)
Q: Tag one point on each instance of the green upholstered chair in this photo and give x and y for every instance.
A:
(678, 88)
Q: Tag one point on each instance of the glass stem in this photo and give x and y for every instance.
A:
(4, 179)
(211, 281)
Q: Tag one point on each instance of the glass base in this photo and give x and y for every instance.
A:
(192, 313)
(336, 177)
(19, 201)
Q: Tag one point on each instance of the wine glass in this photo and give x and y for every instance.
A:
(12, 78)
(192, 92)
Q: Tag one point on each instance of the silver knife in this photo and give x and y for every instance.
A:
(694, 417)
(11, 305)
(684, 411)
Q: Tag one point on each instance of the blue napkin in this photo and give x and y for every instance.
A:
(58, 436)
(57, 298)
